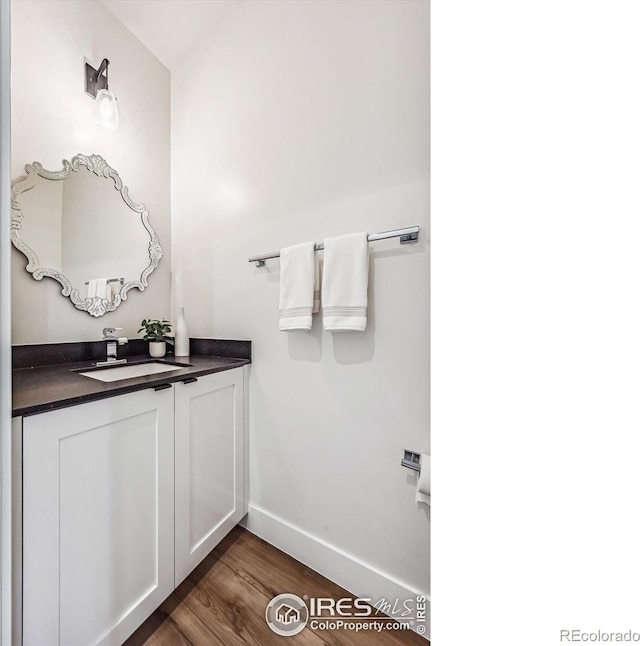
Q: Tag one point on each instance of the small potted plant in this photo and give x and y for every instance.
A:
(157, 333)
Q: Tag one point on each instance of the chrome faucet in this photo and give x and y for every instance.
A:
(109, 335)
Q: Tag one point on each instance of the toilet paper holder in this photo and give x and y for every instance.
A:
(411, 460)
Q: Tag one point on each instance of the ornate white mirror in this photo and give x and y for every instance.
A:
(79, 226)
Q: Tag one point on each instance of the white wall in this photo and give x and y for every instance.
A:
(296, 121)
(85, 193)
(42, 229)
(52, 120)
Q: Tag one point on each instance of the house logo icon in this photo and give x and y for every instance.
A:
(287, 615)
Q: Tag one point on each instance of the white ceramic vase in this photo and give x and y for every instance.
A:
(157, 349)
(182, 336)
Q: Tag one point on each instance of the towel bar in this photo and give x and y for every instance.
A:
(411, 460)
(406, 235)
(112, 280)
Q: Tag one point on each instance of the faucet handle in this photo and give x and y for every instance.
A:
(109, 332)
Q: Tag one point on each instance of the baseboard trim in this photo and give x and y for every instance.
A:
(349, 572)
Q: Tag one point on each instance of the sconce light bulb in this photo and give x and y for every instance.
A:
(106, 111)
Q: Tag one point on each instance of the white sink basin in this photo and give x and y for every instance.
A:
(127, 372)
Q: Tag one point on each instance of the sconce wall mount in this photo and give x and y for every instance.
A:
(96, 79)
(96, 85)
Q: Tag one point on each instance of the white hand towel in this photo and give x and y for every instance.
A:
(423, 490)
(316, 283)
(297, 270)
(102, 288)
(98, 288)
(344, 282)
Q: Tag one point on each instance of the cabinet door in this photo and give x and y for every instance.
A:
(209, 465)
(97, 518)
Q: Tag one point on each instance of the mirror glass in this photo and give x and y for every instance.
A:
(79, 227)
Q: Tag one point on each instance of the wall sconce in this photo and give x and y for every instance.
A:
(96, 85)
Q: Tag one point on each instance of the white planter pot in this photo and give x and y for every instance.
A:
(157, 349)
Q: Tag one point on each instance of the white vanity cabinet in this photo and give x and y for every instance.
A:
(209, 477)
(98, 528)
(121, 499)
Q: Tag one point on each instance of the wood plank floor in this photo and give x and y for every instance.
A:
(223, 601)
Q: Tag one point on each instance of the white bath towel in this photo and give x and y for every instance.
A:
(344, 282)
(297, 270)
(99, 288)
(317, 281)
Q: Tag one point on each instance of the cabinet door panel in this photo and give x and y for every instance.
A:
(209, 465)
(211, 461)
(98, 521)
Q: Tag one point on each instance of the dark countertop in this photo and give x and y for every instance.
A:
(45, 388)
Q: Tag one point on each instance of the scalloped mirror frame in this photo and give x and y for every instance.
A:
(93, 305)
